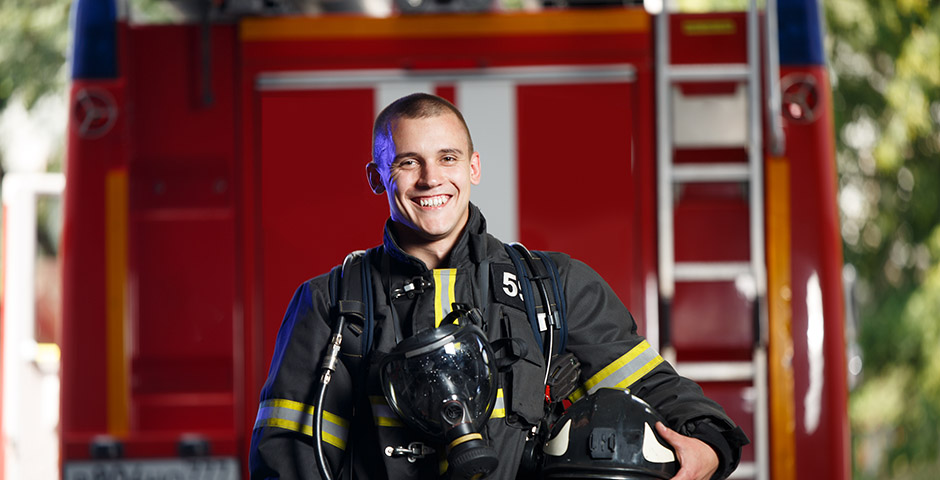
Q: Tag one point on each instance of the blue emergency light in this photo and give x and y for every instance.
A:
(800, 32)
(94, 39)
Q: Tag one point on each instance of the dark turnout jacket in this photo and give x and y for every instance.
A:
(359, 427)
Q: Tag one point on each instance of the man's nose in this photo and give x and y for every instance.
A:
(431, 174)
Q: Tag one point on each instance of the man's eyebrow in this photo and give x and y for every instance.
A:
(443, 151)
(402, 155)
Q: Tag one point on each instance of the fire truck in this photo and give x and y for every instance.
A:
(215, 165)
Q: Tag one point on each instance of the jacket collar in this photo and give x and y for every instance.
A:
(470, 246)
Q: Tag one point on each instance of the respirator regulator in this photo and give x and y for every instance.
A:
(442, 382)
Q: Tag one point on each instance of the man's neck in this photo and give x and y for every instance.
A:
(432, 252)
(432, 256)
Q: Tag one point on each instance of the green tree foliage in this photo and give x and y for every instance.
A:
(33, 40)
(34, 37)
(885, 60)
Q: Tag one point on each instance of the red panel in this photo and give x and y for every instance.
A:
(711, 320)
(183, 302)
(179, 413)
(822, 435)
(448, 92)
(181, 236)
(316, 205)
(712, 223)
(171, 113)
(576, 174)
(738, 401)
(83, 258)
(709, 38)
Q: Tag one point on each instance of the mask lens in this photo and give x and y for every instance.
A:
(441, 378)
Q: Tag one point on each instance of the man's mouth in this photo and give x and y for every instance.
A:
(435, 201)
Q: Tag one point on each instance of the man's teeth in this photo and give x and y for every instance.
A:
(433, 201)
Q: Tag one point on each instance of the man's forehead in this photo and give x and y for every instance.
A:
(444, 117)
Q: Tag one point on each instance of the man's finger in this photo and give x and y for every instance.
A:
(669, 434)
(676, 440)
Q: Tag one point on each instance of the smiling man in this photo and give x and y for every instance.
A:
(424, 160)
(435, 260)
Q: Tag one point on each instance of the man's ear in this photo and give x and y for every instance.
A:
(375, 178)
(475, 171)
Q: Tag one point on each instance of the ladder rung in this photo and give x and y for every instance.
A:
(744, 470)
(710, 271)
(716, 371)
(728, 72)
(711, 172)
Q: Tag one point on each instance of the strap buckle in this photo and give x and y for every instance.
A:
(415, 287)
(413, 451)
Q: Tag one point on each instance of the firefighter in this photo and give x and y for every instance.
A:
(436, 253)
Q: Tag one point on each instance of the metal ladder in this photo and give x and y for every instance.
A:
(751, 173)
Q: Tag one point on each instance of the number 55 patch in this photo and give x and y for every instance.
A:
(505, 286)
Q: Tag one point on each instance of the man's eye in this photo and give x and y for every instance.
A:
(407, 163)
(449, 159)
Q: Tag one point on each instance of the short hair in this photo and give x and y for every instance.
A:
(416, 105)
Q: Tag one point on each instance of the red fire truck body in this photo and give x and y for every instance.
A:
(220, 166)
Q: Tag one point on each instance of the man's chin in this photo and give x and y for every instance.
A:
(419, 232)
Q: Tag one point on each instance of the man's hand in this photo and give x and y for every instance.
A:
(698, 461)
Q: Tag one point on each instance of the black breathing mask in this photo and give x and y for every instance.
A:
(442, 382)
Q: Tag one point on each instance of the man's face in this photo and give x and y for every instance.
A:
(428, 179)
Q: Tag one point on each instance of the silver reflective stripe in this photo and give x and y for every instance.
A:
(627, 369)
(624, 371)
(383, 414)
(499, 409)
(298, 417)
(444, 279)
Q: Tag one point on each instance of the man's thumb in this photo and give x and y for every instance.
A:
(667, 433)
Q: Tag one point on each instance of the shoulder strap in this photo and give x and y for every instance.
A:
(559, 293)
(542, 271)
(351, 295)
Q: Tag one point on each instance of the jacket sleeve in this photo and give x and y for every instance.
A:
(603, 335)
(282, 440)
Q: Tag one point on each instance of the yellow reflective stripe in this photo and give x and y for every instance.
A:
(622, 372)
(285, 424)
(335, 419)
(298, 417)
(388, 422)
(334, 440)
(383, 414)
(284, 403)
(577, 394)
(444, 280)
(499, 409)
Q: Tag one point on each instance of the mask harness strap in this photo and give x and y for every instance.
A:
(530, 272)
(330, 361)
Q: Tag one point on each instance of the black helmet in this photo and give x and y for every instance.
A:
(610, 434)
(442, 382)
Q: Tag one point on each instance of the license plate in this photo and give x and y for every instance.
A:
(212, 468)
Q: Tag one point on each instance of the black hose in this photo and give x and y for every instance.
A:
(330, 360)
(329, 366)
